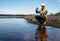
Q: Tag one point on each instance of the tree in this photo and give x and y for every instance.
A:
(58, 13)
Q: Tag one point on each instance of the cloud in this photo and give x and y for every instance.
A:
(16, 11)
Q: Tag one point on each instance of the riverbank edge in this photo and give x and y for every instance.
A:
(53, 23)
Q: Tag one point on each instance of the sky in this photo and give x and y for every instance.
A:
(27, 6)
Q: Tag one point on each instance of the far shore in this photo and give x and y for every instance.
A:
(13, 16)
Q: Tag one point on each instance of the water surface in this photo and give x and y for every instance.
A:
(18, 29)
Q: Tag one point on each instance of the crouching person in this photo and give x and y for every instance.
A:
(42, 17)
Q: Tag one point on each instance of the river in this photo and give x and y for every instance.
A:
(18, 29)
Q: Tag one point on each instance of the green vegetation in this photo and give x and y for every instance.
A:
(58, 13)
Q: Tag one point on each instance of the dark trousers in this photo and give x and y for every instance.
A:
(40, 19)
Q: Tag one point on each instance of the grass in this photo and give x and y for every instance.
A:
(55, 23)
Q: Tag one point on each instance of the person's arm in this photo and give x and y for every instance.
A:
(37, 10)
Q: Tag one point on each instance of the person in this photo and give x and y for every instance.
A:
(42, 18)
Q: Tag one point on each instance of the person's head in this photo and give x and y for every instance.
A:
(42, 6)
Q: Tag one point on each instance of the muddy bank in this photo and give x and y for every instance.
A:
(51, 22)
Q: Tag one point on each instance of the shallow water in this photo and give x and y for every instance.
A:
(18, 29)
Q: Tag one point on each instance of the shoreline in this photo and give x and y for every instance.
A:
(54, 23)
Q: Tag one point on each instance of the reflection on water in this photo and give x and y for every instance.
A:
(18, 29)
(41, 33)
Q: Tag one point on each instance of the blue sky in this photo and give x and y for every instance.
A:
(27, 6)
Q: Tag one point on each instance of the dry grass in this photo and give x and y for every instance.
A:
(50, 22)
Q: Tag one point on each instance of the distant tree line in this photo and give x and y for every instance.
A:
(12, 15)
(58, 13)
